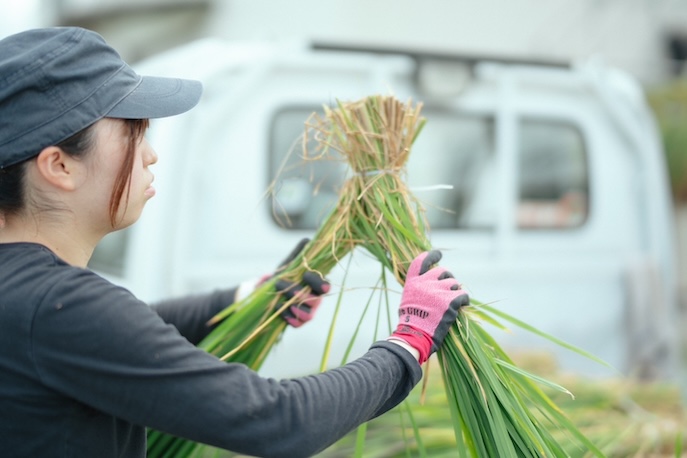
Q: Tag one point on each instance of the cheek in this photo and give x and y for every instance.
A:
(136, 184)
(105, 171)
(106, 186)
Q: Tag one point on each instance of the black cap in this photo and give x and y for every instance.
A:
(57, 81)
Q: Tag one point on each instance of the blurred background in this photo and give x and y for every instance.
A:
(645, 40)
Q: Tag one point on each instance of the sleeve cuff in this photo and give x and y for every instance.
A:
(403, 344)
(245, 289)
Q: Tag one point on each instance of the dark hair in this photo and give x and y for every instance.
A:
(12, 191)
(12, 188)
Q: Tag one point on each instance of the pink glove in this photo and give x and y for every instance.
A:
(303, 310)
(429, 305)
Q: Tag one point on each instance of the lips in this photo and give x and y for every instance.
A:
(150, 190)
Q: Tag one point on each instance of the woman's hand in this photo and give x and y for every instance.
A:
(306, 304)
(429, 305)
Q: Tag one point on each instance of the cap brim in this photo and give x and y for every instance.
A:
(158, 97)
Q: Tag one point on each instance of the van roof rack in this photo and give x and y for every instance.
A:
(419, 55)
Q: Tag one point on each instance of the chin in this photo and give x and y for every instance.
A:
(129, 218)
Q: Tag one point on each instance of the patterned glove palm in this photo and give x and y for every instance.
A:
(429, 305)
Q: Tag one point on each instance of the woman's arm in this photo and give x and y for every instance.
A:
(190, 314)
(110, 351)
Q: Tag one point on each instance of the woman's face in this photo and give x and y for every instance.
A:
(103, 165)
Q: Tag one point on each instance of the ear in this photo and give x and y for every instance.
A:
(59, 169)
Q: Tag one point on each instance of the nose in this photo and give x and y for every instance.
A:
(149, 154)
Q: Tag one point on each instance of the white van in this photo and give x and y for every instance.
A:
(560, 212)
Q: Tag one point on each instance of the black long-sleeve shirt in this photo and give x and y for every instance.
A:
(85, 367)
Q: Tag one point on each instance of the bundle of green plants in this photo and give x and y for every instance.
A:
(497, 409)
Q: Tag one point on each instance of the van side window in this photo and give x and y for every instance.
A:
(553, 177)
(446, 167)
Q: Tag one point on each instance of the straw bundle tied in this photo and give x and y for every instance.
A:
(497, 408)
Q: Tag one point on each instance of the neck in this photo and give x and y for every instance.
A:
(66, 239)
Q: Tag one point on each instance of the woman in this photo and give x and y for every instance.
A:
(85, 366)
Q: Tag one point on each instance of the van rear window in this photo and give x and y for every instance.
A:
(552, 176)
